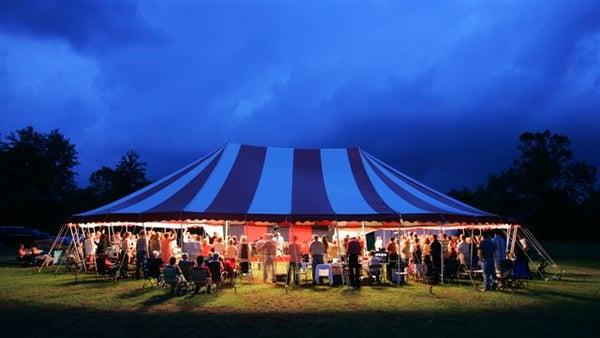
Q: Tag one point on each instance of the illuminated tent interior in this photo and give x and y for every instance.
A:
(249, 190)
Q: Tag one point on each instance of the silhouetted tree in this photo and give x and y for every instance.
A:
(101, 183)
(545, 188)
(128, 176)
(37, 178)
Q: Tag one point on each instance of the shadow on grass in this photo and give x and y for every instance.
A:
(137, 292)
(71, 321)
(594, 298)
(88, 281)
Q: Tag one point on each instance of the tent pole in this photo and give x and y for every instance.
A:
(514, 240)
(364, 236)
(54, 245)
(442, 259)
(508, 241)
(471, 257)
(77, 247)
(337, 234)
(145, 238)
(181, 237)
(400, 223)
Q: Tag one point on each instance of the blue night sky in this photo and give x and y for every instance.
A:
(439, 90)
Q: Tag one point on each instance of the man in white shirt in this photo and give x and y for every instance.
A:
(378, 243)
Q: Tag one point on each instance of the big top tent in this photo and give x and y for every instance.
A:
(276, 184)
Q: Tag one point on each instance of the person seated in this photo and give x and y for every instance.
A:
(105, 266)
(198, 284)
(374, 266)
(245, 251)
(153, 265)
(229, 268)
(172, 266)
(35, 251)
(23, 255)
(216, 268)
(107, 263)
(172, 274)
(231, 251)
(184, 265)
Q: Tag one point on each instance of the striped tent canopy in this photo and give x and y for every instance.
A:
(275, 184)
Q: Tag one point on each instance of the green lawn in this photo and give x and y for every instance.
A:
(42, 304)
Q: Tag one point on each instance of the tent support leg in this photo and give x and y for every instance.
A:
(59, 236)
(442, 261)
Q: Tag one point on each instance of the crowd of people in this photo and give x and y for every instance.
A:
(434, 256)
(424, 255)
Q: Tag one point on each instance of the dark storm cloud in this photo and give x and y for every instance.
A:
(439, 91)
(84, 24)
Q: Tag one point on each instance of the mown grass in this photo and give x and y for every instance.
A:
(43, 304)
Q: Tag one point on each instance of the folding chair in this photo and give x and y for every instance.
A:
(244, 269)
(520, 275)
(374, 271)
(104, 271)
(199, 279)
(152, 275)
(304, 271)
(324, 271)
(173, 283)
(400, 277)
(57, 257)
(504, 280)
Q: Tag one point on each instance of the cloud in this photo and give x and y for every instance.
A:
(85, 25)
(441, 94)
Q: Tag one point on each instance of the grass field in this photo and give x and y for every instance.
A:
(41, 304)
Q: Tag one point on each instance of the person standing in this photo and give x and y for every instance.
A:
(126, 248)
(244, 253)
(463, 251)
(268, 248)
(167, 245)
(153, 242)
(393, 259)
(486, 252)
(141, 251)
(231, 251)
(295, 251)
(102, 245)
(436, 258)
(379, 243)
(317, 250)
(326, 247)
(500, 250)
(333, 250)
(354, 256)
(89, 248)
(218, 246)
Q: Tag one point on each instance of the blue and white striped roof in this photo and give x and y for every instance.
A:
(245, 182)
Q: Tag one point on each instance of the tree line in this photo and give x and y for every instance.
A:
(37, 180)
(545, 188)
